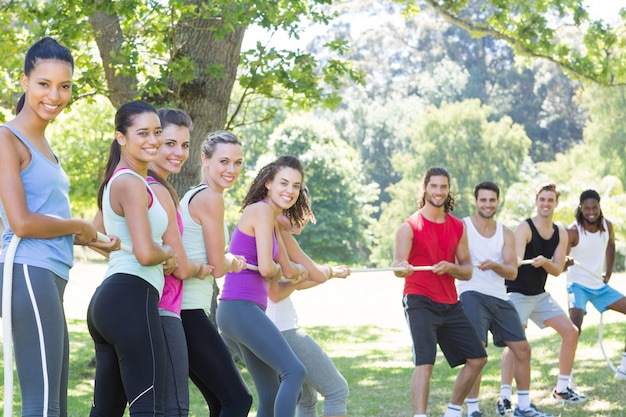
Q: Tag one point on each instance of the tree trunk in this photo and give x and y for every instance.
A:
(109, 38)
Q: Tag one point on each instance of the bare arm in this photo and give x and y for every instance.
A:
(186, 268)
(258, 220)
(555, 265)
(207, 209)
(610, 252)
(130, 199)
(404, 242)
(522, 235)
(572, 241)
(23, 222)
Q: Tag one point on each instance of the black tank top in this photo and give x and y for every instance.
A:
(531, 280)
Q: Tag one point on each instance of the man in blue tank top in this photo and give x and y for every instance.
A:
(540, 240)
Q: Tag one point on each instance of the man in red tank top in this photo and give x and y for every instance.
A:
(434, 237)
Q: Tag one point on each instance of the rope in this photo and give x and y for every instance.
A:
(7, 330)
(337, 270)
(601, 325)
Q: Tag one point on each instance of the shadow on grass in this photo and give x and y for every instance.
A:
(377, 364)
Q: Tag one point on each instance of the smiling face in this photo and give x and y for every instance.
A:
(590, 209)
(48, 88)
(143, 138)
(546, 202)
(437, 191)
(284, 189)
(486, 203)
(174, 152)
(222, 169)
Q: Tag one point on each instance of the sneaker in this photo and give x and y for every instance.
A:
(476, 413)
(620, 373)
(569, 396)
(531, 411)
(503, 407)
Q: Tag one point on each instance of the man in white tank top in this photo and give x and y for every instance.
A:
(486, 303)
(592, 246)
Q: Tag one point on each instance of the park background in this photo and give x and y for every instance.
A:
(369, 94)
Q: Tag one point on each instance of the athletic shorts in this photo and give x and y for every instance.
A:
(538, 308)
(432, 323)
(493, 314)
(578, 296)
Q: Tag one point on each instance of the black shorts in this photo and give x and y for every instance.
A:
(434, 323)
(493, 314)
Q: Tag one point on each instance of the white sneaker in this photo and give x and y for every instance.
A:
(620, 373)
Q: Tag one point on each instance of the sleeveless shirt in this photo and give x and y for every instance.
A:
(590, 252)
(531, 280)
(482, 249)
(172, 296)
(46, 188)
(432, 243)
(197, 293)
(247, 284)
(126, 263)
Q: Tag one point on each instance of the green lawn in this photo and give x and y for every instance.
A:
(360, 324)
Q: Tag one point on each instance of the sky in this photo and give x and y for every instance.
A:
(599, 9)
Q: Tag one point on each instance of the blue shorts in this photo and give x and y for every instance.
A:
(493, 314)
(434, 323)
(578, 296)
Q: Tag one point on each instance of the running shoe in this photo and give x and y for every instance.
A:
(531, 411)
(476, 413)
(569, 396)
(620, 373)
(503, 407)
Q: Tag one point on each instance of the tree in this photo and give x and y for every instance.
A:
(340, 195)
(560, 31)
(182, 53)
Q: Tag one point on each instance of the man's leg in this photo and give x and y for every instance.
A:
(466, 379)
(420, 388)
(569, 341)
(620, 306)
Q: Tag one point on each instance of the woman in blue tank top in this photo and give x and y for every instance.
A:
(35, 206)
(123, 316)
(275, 369)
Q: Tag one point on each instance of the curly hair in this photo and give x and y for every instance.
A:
(300, 211)
(448, 205)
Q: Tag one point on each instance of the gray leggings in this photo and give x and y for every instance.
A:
(275, 369)
(40, 340)
(176, 398)
(321, 376)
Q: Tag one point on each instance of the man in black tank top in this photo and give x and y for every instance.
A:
(540, 240)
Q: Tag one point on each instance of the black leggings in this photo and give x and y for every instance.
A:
(212, 369)
(123, 320)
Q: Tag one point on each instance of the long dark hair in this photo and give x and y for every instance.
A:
(257, 192)
(171, 117)
(45, 48)
(448, 205)
(124, 118)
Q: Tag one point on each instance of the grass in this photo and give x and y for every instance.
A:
(359, 323)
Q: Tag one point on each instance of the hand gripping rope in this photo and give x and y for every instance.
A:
(600, 325)
(7, 329)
